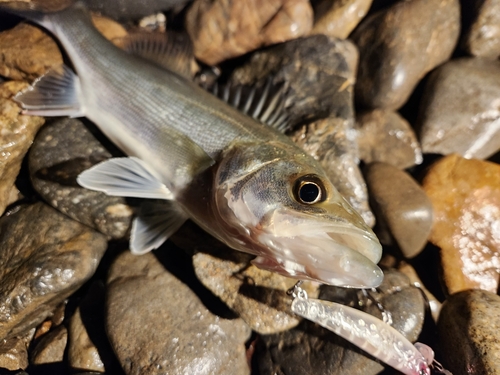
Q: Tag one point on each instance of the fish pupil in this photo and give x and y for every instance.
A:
(309, 192)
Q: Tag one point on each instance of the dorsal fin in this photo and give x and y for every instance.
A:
(265, 102)
(171, 50)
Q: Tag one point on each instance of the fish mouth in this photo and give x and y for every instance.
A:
(337, 254)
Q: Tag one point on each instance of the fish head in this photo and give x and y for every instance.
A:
(285, 210)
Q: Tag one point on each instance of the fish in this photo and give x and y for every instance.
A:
(245, 183)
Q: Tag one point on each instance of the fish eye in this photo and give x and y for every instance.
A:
(309, 190)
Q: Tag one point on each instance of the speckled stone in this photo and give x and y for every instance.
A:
(469, 329)
(338, 18)
(258, 297)
(27, 52)
(401, 205)
(465, 195)
(14, 352)
(157, 325)
(224, 29)
(62, 150)
(482, 37)
(311, 349)
(459, 111)
(44, 258)
(399, 45)
(16, 136)
(385, 136)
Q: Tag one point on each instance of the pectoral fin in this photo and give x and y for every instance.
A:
(53, 94)
(155, 223)
(124, 177)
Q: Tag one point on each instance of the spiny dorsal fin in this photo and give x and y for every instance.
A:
(264, 102)
(171, 50)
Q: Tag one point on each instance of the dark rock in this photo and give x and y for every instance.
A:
(258, 297)
(27, 53)
(44, 258)
(469, 327)
(126, 10)
(387, 137)
(331, 142)
(338, 18)
(317, 74)
(14, 352)
(401, 205)
(459, 111)
(465, 195)
(62, 150)
(311, 349)
(224, 29)
(399, 45)
(16, 135)
(482, 37)
(157, 325)
(50, 349)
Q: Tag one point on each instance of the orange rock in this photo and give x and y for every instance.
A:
(222, 29)
(466, 199)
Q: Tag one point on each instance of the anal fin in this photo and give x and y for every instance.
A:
(53, 94)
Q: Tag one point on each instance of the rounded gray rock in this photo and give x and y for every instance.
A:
(157, 325)
(62, 150)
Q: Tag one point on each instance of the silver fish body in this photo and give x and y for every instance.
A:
(243, 182)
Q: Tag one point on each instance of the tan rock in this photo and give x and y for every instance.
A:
(483, 37)
(466, 199)
(51, 347)
(14, 352)
(337, 18)
(27, 52)
(111, 30)
(222, 29)
(16, 136)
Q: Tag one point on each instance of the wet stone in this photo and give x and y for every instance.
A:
(482, 38)
(157, 325)
(62, 150)
(50, 349)
(459, 111)
(331, 141)
(465, 195)
(469, 327)
(224, 29)
(27, 52)
(400, 205)
(317, 74)
(311, 349)
(40, 271)
(258, 297)
(385, 136)
(338, 18)
(126, 10)
(16, 136)
(14, 352)
(397, 48)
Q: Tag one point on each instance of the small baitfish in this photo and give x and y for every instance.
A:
(242, 182)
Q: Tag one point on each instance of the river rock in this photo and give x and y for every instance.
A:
(124, 10)
(331, 141)
(338, 18)
(14, 352)
(465, 195)
(385, 136)
(317, 74)
(16, 136)
(62, 150)
(258, 297)
(223, 29)
(311, 349)
(45, 257)
(482, 37)
(157, 325)
(86, 332)
(401, 205)
(27, 53)
(469, 327)
(50, 349)
(397, 48)
(459, 110)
